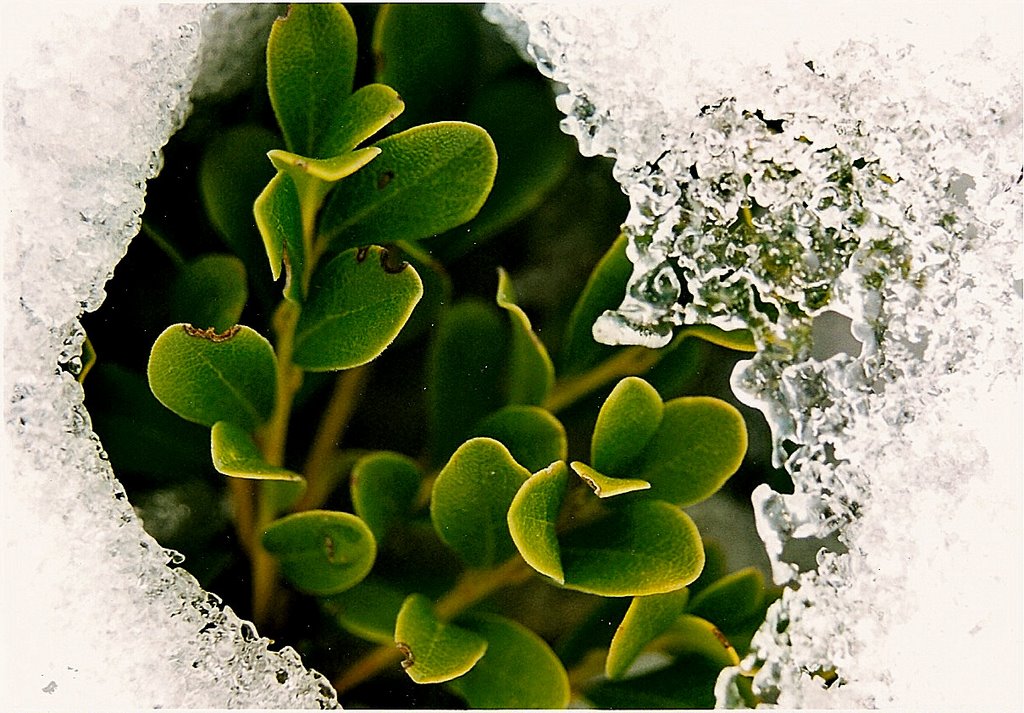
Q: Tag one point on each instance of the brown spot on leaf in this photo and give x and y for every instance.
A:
(212, 334)
(389, 267)
(384, 179)
(721, 638)
(593, 486)
(378, 61)
(362, 252)
(329, 547)
(409, 661)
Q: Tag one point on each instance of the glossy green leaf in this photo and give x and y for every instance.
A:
(644, 547)
(530, 371)
(429, 54)
(384, 486)
(533, 516)
(279, 219)
(605, 289)
(646, 619)
(232, 173)
(692, 635)
(435, 651)
(628, 419)
(464, 381)
(519, 670)
(311, 63)
(322, 552)
(732, 599)
(700, 443)
(520, 115)
(359, 117)
(236, 454)
(368, 610)
(205, 376)
(534, 437)
(738, 339)
(426, 180)
(210, 292)
(605, 486)
(357, 304)
(471, 498)
(687, 683)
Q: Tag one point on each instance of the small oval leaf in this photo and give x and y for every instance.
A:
(471, 498)
(692, 635)
(605, 486)
(645, 547)
(322, 552)
(533, 516)
(604, 290)
(279, 219)
(530, 371)
(205, 376)
(699, 444)
(628, 419)
(647, 618)
(359, 117)
(435, 651)
(210, 292)
(426, 180)
(325, 170)
(357, 304)
(311, 63)
(533, 436)
(519, 670)
(467, 353)
(731, 600)
(384, 486)
(236, 454)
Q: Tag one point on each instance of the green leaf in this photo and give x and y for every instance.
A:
(279, 219)
(357, 304)
(519, 670)
(520, 115)
(384, 486)
(429, 54)
(731, 600)
(464, 381)
(313, 177)
(434, 650)
(738, 339)
(236, 454)
(530, 371)
(692, 635)
(426, 180)
(471, 498)
(645, 547)
(359, 117)
(534, 437)
(700, 443)
(205, 377)
(368, 610)
(232, 173)
(646, 619)
(210, 292)
(628, 419)
(532, 518)
(605, 486)
(311, 63)
(322, 552)
(604, 291)
(687, 683)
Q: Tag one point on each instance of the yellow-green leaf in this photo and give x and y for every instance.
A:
(435, 651)
(647, 618)
(533, 436)
(279, 219)
(730, 601)
(628, 419)
(236, 454)
(530, 371)
(359, 117)
(692, 635)
(532, 518)
(605, 486)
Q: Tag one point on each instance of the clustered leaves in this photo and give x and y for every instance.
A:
(360, 229)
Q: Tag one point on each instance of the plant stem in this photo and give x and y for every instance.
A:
(473, 587)
(242, 501)
(634, 360)
(347, 387)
